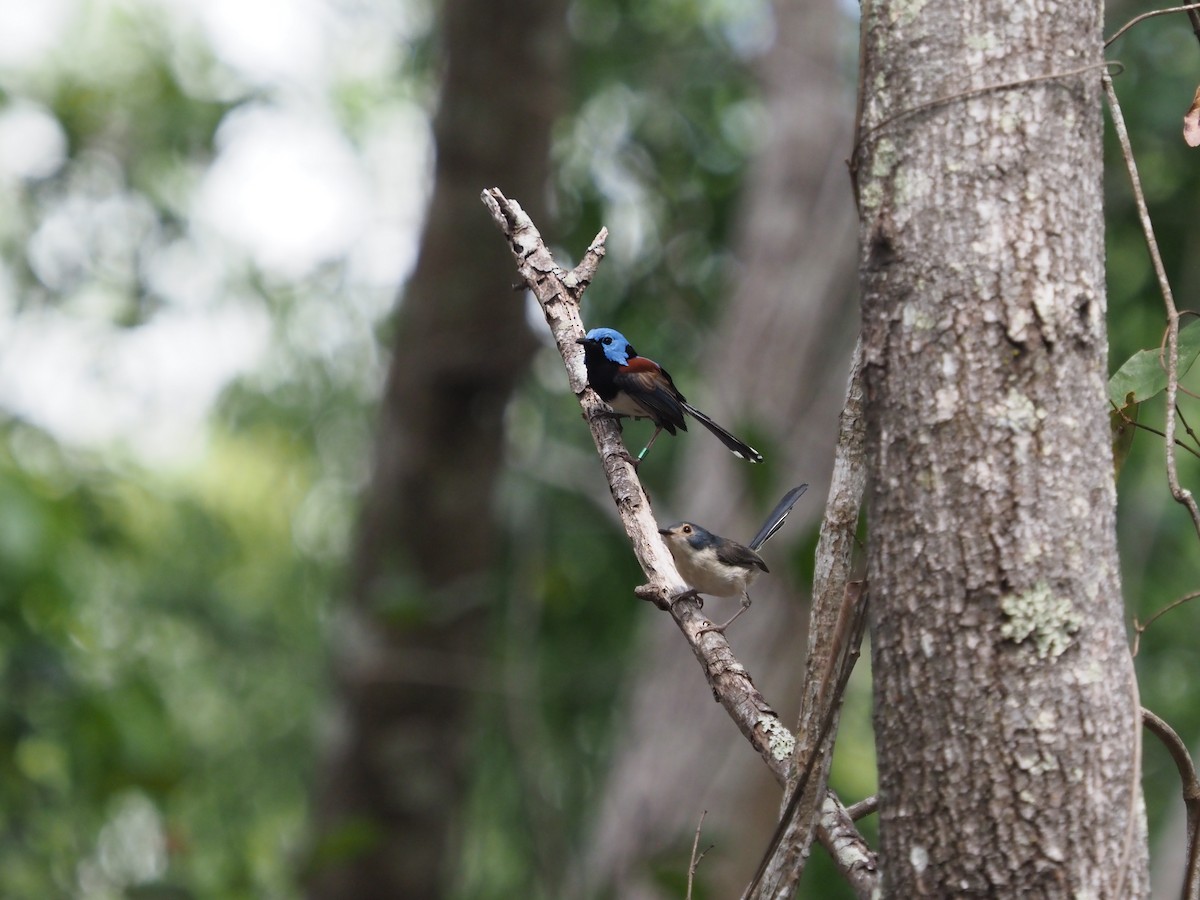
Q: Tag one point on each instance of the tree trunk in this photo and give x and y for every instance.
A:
(411, 640)
(778, 357)
(1006, 712)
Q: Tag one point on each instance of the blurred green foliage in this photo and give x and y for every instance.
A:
(1159, 557)
(163, 628)
(162, 631)
(159, 664)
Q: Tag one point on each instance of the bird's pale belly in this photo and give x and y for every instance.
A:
(626, 406)
(709, 576)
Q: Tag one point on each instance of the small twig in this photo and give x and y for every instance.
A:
(1186, 427)
(1139, 627)
(695, 860)
(1150, 428)
(860, 97)
(1189, 9)
(1191, 797)
(863, 808)
(1181, 495)
(1162, 351)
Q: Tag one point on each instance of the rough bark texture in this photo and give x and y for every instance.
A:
(1005, 709)
(778, 358)
(406, 667)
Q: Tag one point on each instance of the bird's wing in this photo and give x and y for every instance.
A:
(646, 383)
(731, 553)
(778, 514)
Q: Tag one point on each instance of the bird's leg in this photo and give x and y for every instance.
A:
(653, 438)
(692, 594)
(720, 629)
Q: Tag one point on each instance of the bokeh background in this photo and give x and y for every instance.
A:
(308, 578)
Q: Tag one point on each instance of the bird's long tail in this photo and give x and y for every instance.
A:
(778, 514)
(738, 447)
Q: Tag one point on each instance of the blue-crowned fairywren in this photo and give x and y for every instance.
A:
(639, 387)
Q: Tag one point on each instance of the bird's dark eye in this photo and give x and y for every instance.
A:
(606, 340)
(687, 529)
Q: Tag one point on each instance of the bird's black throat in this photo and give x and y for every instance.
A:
(601, 370)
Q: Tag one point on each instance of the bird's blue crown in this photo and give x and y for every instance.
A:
(613, 343)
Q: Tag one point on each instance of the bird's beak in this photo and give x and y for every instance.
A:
(582, 340)
(665, 531)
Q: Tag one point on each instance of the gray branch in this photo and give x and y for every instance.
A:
(558, 293)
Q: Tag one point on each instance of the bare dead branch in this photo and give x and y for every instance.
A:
(1191, 796)
(857, 863)
(834, 635)
(558, 293)
(1181, 494)
(695, 860)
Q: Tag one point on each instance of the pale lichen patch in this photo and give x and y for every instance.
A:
(1040, 616)
(780, 742)
(884, 159)
(871, 196)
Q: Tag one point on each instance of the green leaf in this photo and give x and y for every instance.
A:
(1143, 374)
(1123, 429)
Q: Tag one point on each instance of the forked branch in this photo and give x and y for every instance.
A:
(558, 293)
